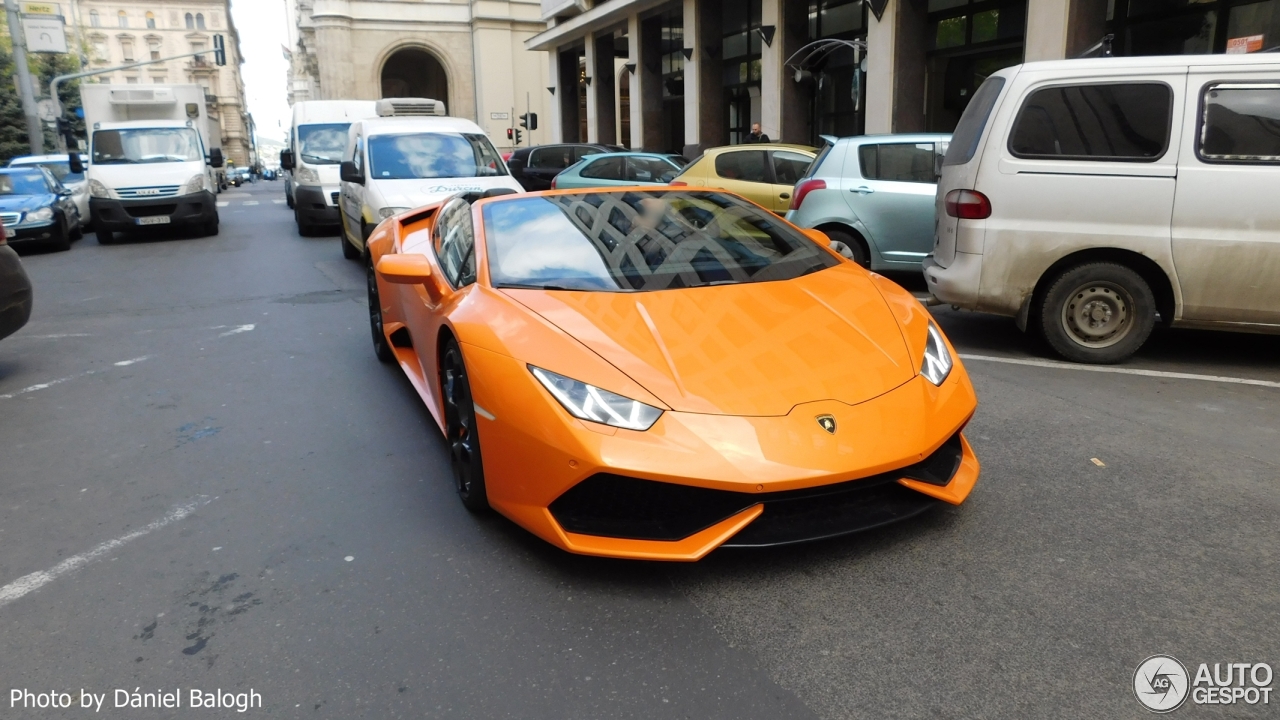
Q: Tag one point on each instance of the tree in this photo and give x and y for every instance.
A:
(43, 67)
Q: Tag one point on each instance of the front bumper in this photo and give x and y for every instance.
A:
(35, 232)
(694, 482)
(313, 206)
(120, 215)
(15, 293)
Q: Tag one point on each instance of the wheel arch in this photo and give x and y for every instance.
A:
(858, 236)
(1155, 276)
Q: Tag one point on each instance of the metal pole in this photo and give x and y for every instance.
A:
(35, 129)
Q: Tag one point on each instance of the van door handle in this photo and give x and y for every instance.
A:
(864, 190)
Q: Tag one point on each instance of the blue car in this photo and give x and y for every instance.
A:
(619, 169)
(36, 208)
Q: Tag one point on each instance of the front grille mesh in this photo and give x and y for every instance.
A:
(146, 193)
(10, 218)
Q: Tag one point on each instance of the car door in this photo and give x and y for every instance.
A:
(788, 167)
(453, 253)
(745, 172)
(545, 163)
(1226, 220)
(893, 197)
(351, 196)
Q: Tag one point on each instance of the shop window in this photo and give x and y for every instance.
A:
(746, 165)
(1122, 121)
(1240, 124)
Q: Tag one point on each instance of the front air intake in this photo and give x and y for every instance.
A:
(410, 107)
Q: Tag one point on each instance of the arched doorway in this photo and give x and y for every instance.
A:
(413, 72)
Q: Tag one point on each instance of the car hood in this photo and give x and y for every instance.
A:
(416, 193)
(755, 349)
(25, 203)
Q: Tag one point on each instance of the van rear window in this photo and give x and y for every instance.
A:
(1241, 124)
(1128, 122)
(964, 141)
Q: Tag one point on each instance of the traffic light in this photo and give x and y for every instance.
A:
(511, 134)
(529, 121)
(518, 138)
(219, 50)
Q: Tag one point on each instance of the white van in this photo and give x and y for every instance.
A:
(317, 137)
(1090, 199)
(405, 159)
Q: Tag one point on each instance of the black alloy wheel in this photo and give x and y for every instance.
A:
(460, 429)
(381, 347)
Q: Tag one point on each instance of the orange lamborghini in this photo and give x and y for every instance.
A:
(654, 373)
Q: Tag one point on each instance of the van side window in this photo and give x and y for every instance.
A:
(358, 156)
(1118, 121)
(454, 241)
(973, 121)
(1240, 124)
(898, 162)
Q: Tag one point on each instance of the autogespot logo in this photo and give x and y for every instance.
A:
(1160, 683)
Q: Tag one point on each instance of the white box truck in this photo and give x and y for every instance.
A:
(317, 138)
(153, 158)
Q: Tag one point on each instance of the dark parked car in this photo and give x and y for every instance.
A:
(35, 207)
(15, 291)
(535, 167)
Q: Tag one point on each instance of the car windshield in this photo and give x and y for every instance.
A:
(146, 145)
(23, 183)
(322, 144)
(641, 241)
(60, 169)
(433, 155)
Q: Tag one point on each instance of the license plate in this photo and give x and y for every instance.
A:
(10, 232)
(157, 220)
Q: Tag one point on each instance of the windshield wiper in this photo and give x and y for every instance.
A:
(318, 160)
(117, 161)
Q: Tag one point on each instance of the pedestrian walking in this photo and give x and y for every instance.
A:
(756, 135)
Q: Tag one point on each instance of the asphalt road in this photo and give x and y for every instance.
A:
(207, 481)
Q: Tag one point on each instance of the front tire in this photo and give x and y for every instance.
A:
(105, 236)
(61, 240)
(1098, 313)
(460, 430)
(381, 347)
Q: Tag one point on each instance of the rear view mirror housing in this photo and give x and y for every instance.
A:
(215, 158)
(405, 269)
(74, 163)
(286, 159)
(348, 172)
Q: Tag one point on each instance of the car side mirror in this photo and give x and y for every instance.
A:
(405, 269)
(215, 158)
(64, 192)
(819, 237)
(74, 164)
(350, 173)
(286, 159)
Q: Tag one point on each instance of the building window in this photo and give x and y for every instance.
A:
(199, 21)
(672, 50)
(966, 41)
(153, 46)
(159, 79)
(126, 50)
(835, 80)
(740, 47)
(1148, 27)
(191, 21)
(95, 20)
(131, 79)
(99, 49)
(151, 20)
(123, 19)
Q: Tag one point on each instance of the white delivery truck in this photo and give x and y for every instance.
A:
(317, 138)
(153, 158)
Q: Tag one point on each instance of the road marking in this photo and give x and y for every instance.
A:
(278, 202)
(250, 202)
(1122, 371)
(237, 330)
(59, 381)
(36, 580)
(223, 203)
(53, 337)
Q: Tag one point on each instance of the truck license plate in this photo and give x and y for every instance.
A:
(156, 220)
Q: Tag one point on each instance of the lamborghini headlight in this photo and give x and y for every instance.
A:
(194, 185)
(44, 214)
(387, 212)
(98, 190)
(306, 175)
(588, 402)
(937, 360)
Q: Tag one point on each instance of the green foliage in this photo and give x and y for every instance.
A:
(13, 124)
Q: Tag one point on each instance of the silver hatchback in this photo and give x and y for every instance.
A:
(874, 194)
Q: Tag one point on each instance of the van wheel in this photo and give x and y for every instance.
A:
(288, 200)
(1098, 313)
(849, 246)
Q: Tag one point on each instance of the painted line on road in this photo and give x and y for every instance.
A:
(250, 202)
(50, 383)
(1122, 371)
(223, 203)
(237, 330)
(36, 580)
(278, 202)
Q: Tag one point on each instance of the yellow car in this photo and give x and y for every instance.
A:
(765, 173)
